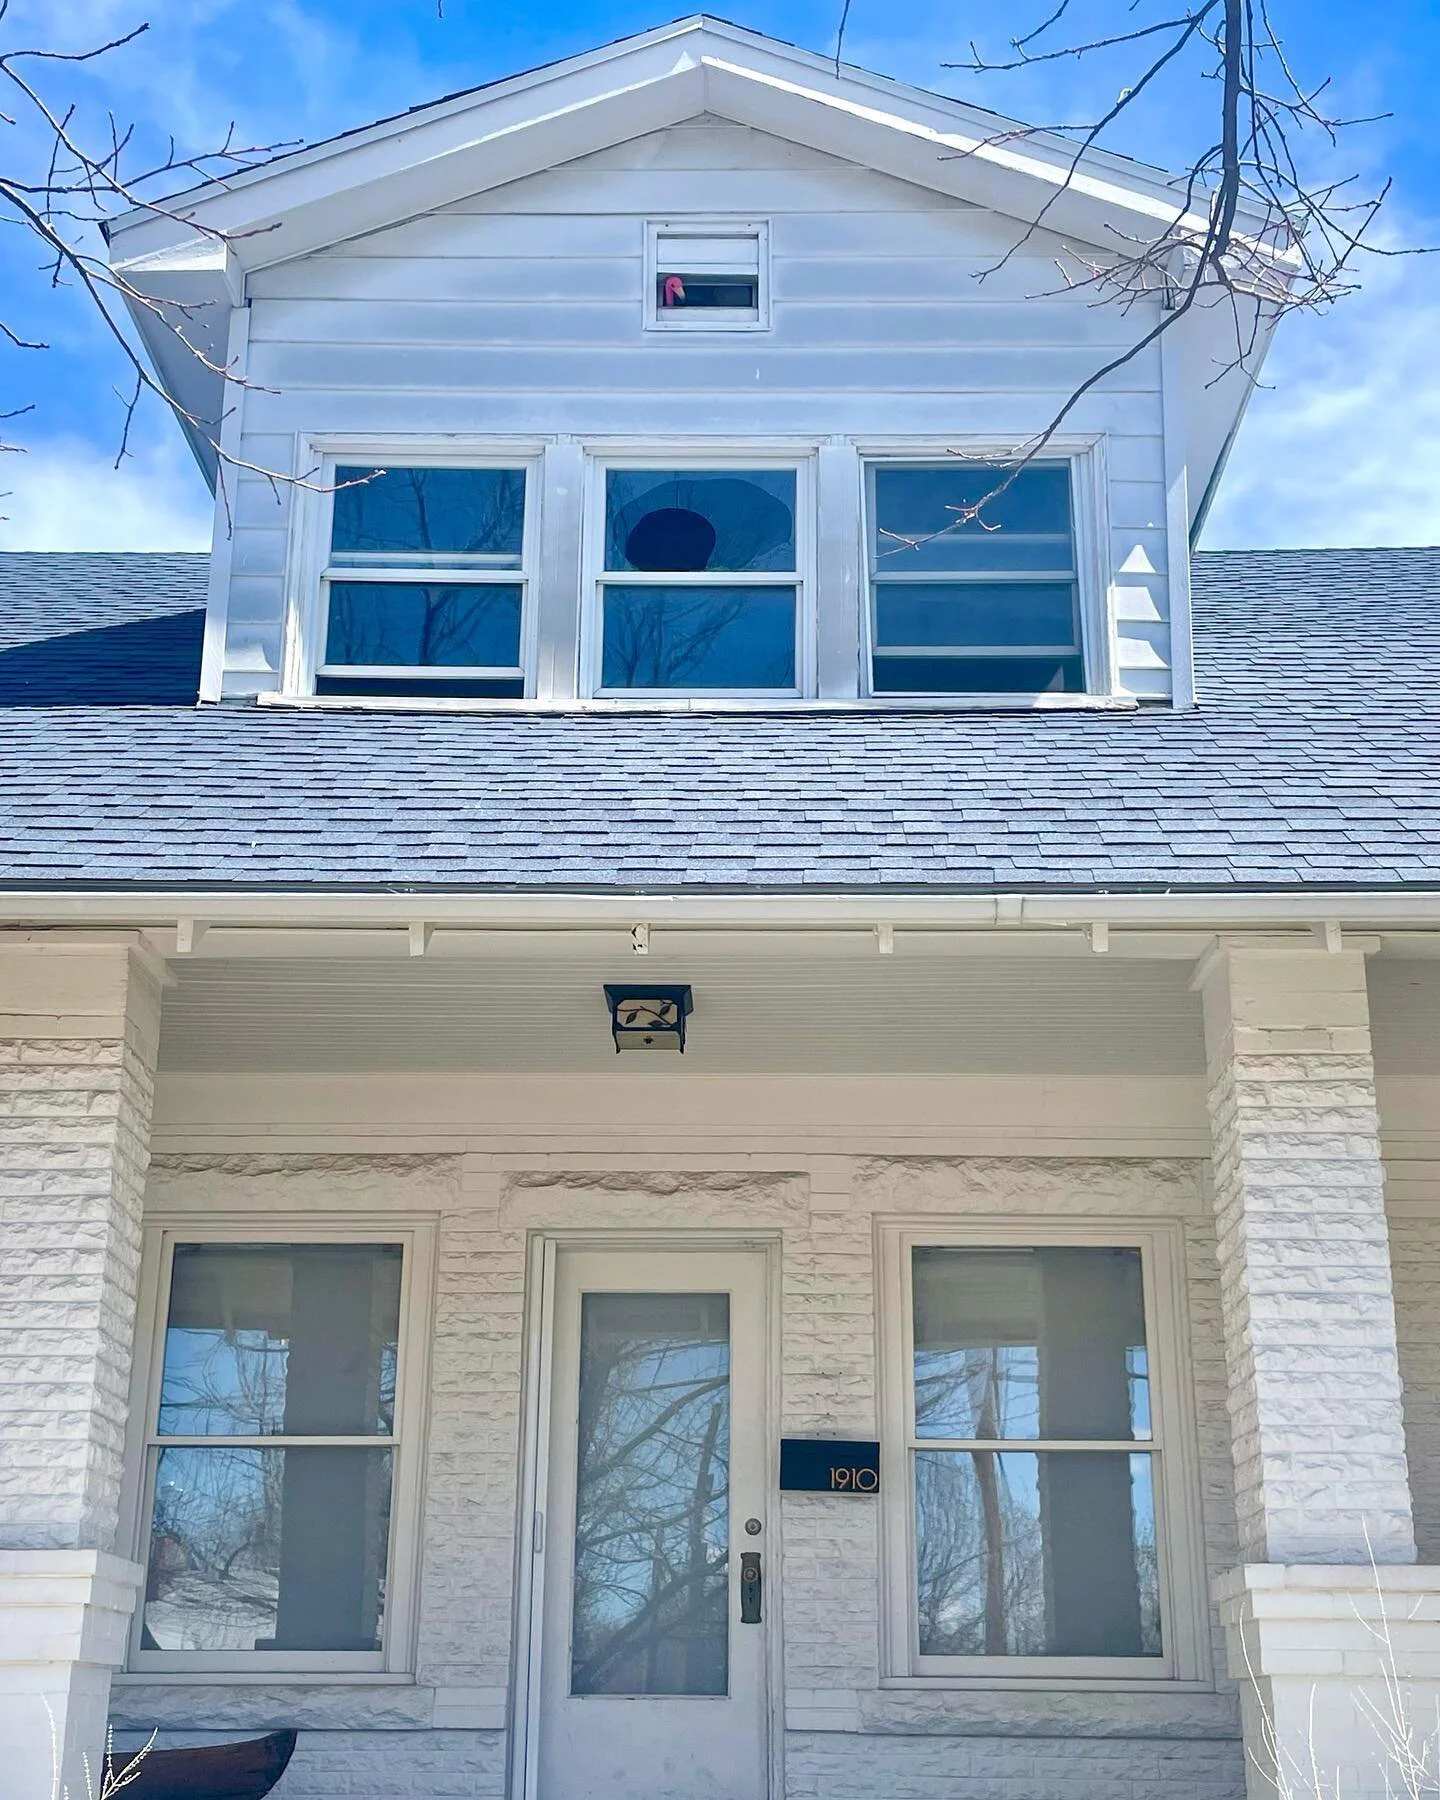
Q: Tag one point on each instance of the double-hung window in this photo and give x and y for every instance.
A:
(699, 583)
(983, 605)
(426, 587)
(1031, 1460)
(279, 1468)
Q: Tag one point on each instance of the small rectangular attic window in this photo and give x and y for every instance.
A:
(707, 277)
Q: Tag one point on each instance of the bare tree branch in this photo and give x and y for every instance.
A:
(59, 185)
(1254, 227)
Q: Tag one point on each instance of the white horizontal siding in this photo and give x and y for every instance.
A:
(520, 311)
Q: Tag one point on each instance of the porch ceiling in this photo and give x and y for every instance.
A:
(757, 1009)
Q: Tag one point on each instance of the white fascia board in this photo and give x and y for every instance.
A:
(422, 163)
(403, 167)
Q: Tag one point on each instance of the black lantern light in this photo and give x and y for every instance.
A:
(646, 1014)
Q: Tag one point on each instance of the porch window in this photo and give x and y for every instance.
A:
(271, 1469)
(1033, 1448)
(961, 606)
(699, 582)
(426, 586)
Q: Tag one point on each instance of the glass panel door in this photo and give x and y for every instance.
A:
(651, 1661)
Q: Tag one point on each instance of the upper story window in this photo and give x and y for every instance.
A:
(704, 276)
(972, 607)
(425, 588)
(699, 582)
(564, 572)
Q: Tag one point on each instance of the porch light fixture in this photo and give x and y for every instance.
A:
(645, 1015)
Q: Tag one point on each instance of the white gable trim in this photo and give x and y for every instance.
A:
(397, 169)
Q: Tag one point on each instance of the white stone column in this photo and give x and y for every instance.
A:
(79, 1025)
(1322, 1485)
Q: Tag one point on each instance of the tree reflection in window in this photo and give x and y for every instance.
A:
(701, 628)
(650, 1611)
(1033, 1551)
(262, 1538)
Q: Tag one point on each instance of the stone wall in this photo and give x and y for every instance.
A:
(847, 1733)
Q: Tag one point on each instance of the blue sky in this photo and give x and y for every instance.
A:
(1341, 445)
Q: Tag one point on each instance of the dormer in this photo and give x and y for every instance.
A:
(661, 376)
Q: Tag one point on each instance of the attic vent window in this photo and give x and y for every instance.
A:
(707, 276)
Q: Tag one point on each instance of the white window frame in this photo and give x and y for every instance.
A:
(1090, 530)
(1184, 1661)
(395, 1659)
(681, 319)
(698, 457)
(311, 571)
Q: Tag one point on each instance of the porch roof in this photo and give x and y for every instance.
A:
(1312, 761)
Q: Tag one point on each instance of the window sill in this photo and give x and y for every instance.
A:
(1046, 1684)
(261, 1678)
(976, 703)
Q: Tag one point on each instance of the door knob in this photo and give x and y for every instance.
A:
(752, 1587)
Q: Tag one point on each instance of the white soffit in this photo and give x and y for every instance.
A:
(821, 1014)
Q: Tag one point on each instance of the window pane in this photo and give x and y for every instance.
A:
(651, 1612)
(969, 553)
(429, 515)
(683, 521)
(1021, 1553)
(698, 637)
(677, 291)
(268, 1550)
(1045, 1343)
(270, 1338)
(982, 613)
(978, 675)
(914, 504)
(380, 624)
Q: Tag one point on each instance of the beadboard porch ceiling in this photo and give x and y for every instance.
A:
(757, 1009)
(523, 1002)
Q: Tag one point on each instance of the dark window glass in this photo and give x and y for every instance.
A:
(429, 515)
(920, 502)
(380, 624)
(678, 292)
(978, 675)
(698, 637)
(974, 613)
(958, 608)
(688, 521)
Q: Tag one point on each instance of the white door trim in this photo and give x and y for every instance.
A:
(527, 1629)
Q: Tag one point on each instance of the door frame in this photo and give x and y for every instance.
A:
(543, 1250)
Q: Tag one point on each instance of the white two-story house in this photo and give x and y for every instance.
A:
(977, 1339)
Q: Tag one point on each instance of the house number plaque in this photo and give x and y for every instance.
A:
(829, 1466)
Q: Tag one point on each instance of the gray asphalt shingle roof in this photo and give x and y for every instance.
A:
(1313, 760)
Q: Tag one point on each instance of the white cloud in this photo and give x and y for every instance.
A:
(1342, 445)
(64, 494)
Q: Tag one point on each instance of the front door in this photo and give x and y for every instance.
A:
(652, 1665)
